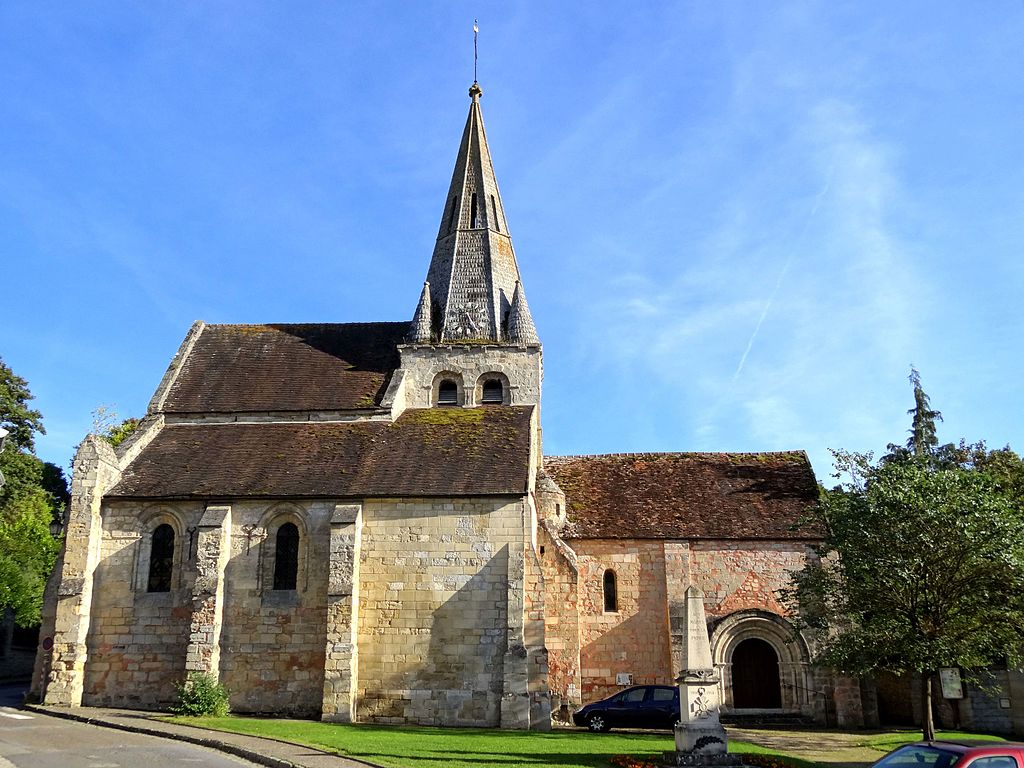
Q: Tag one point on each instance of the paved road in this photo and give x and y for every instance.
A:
(33, 740)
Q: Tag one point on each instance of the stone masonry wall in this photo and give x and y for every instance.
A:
(433, 628)
(743, 575)
(271, 649)
(272, 654)
(137, 639)
(421, 365)
(651, 578)
(562, 624)
(633, 640)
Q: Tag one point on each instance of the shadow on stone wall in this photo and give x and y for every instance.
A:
(443, 666)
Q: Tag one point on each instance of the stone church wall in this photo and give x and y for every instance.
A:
(272, 644)
(273, 641)
(562, 622)
(634, 639)
(440, 601)
(137, 640)
(641, 638)
(741, 575)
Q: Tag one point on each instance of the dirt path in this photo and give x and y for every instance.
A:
(831, 748)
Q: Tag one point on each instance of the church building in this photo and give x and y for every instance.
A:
(356, 522)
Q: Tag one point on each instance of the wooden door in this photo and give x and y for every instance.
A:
(755, 676)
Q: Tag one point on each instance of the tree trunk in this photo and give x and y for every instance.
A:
(927, 718)
(6, 632)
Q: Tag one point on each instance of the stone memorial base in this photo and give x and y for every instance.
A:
(702, 759)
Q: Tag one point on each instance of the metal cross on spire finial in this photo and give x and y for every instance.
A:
(476, 31)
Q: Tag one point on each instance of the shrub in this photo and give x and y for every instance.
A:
(200, 694)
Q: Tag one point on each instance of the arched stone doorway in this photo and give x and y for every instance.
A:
(767, 658)
(755, 676)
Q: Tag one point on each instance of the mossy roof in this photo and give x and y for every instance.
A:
(687, 495)
(437, 453)
(287, 367)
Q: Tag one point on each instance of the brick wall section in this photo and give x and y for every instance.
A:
(634, 639)
(434, 624)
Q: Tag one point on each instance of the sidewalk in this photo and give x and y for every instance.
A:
(268, 752)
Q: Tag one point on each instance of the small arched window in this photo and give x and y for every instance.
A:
(451, 215)
(611, 596)
(447, 393)
(161, 559)
(494, 207)
(493, 393)
(286, 557)
(472, 211)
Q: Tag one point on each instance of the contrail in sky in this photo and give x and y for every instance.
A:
(782, 273)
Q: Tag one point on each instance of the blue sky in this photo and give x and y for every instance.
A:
(738, 223)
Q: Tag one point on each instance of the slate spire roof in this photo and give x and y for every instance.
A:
(520, 324)
(420, 331)
(473, 271)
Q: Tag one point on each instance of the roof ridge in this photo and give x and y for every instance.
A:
(307, 324)
(793, 452)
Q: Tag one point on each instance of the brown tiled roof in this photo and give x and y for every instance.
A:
(426, 452)
(287, 367)
(686, 495)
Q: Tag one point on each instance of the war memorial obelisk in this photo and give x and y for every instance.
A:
(700, 737)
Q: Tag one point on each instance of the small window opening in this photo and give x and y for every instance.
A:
(494, 393)
(494, 208)
(161, 559)
(286, 557)
(447, 393)
(451, 215)
(472, 211)
(611, 597)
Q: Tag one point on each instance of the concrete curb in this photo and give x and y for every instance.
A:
(220, 746)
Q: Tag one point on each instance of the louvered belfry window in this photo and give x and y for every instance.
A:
(161, 559)
(286, 557)
(447, 393)
(493, 393)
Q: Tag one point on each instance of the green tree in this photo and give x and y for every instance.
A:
(922, 563)
(33, 496)
(923, 437)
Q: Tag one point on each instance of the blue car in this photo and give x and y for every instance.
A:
(642, 706)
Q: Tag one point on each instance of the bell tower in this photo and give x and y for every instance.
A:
(472, 327)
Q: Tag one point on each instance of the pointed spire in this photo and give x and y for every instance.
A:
(473, 271)
(419, 329)
(521, 329)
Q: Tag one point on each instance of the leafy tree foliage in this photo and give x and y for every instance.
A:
(33, 496)
(922, 566)
(15, 415)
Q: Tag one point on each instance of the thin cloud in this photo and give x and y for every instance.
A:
(782, 273)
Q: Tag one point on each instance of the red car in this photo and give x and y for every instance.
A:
(962, 754)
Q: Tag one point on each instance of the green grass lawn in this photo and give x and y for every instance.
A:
(885, 742)
(411, 747)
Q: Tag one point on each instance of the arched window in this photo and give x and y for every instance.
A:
(493, 393)
(472, 211)
(161, 559)
(286, 557)
(447, 393)
(611, 596)
(494, 207)
(451, 215)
